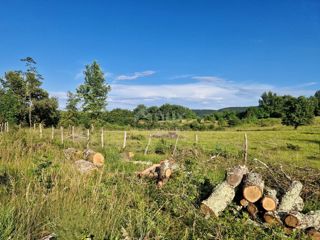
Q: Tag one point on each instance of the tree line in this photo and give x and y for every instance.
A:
(24, 101)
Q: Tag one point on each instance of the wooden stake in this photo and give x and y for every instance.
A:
(72, 133)
(245, 149)
(88, 138)
(196, 138)
(102, 138)
(147, 147)
(52, 132)
(124, 140)
(61, 129)
(40, 130)
(34, 126)
(175, 145)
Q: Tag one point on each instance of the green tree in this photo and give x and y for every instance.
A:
(33, 81)
(94, 91)
(272, 104)
(9, 106)
(71, 115)
(297, 112)
(14, 84)
(317, 102)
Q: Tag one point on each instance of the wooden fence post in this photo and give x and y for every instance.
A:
(147, 147)
(102, 138)
(7, 127)
(88, 138)
(34, 126)
(52, 132)
(40, 130)
(72, 133)
(124, 140)
(197, 138)
(245, 154)
(175, 145)
(61, 130)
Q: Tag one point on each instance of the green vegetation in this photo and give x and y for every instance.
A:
(41, 192)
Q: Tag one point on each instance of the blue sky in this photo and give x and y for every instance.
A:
(198, 53)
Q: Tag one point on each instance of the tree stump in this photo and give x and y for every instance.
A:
(253, 187)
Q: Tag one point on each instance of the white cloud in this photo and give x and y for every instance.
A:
(135, 75)
(203, 95)
(208, 79)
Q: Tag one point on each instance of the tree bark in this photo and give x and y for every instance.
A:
(220, 198)
(288, 201)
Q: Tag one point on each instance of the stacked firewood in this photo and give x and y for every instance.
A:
(261, 202)
(85, 161)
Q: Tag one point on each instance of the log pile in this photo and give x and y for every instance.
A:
(85, 161)
(262, 202)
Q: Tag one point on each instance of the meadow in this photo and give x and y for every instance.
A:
(41, 192)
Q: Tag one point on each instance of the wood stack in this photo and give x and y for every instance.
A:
(261, 202)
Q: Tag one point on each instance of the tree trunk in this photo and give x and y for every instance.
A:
(235, 175)
(253, 187)
(313, 234)
(270, 200)
(220, 198)
(288, 201)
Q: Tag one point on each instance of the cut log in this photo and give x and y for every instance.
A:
(244, 202)
(252, 210)
(94, 157)
(313, 234)
(165, 170)
(272, 218)
(270, 200)
(150, 171)
(288, 201)
(220, 198)
(303, 221)
(235, 175)
(253, 187)
(85, 166)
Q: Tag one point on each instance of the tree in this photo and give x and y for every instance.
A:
(14, 84)
(71, 115)
(297, 112)
(317, 100)
(33, 82)
(30, 103)
(93, 92)
(271, 104)
(9, 106)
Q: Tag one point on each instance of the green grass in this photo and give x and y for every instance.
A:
(41, 192)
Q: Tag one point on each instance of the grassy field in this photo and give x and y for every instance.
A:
(41, 192)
